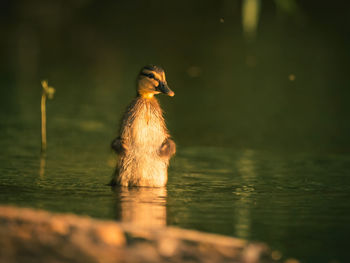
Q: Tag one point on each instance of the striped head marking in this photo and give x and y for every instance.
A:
(151, 81)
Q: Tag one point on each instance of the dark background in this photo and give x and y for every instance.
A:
(284, 86)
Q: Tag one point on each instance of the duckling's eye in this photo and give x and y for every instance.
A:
(150, 75)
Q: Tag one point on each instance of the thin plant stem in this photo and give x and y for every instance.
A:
(47, 92)
(43, 122)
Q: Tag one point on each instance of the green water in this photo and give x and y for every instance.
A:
(298, 203)
(262, 126)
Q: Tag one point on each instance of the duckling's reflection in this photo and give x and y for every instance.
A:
(143, 206)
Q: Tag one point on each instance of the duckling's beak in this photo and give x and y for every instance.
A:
(164, 88)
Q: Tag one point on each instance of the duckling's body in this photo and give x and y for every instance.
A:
(144, 145)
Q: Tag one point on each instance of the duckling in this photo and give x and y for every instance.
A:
(144, 145)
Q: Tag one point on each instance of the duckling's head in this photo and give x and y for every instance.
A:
(151, 81)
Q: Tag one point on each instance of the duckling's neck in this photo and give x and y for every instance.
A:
(147, 95)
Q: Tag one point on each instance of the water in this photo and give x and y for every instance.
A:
(287, 200)
(261, 126)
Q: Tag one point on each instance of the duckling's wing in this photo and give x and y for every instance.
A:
(118, 146)
(168, 148)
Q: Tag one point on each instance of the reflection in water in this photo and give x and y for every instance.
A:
(144, 206)
(42, 165)
(245, 166)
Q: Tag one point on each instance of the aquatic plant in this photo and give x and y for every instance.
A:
(47, 92)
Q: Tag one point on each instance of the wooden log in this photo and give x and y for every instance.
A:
(28, 235)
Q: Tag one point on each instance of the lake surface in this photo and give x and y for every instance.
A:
(287, 200)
